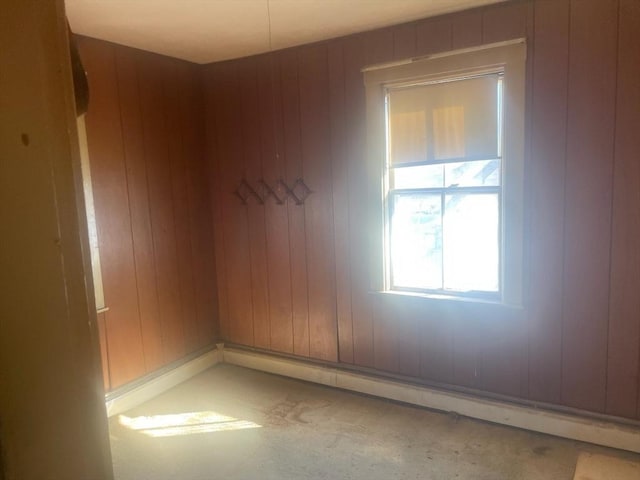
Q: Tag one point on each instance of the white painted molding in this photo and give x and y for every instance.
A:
(157, 385)
(609, 434)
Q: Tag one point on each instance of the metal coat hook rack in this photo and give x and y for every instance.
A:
(281, 192)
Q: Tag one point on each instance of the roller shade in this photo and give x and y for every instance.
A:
(435, 123)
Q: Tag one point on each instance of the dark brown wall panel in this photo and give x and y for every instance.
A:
(292, 149)
(434, 35)
(467, 29)
(436, 339)
(228, 120)
(180, 204)
(340, 181)
(132, 133)
(505, 22)
(248, 84)
(592, 81)
(191, 113)
(362, 328)
(546, 172)
(315, 135)
(216, 195)
(276, 214)
(146, 149)
(104, 135)
(623, 368)
(158, 145)
(404, 41)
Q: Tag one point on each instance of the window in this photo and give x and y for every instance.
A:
(91, 216)
(446, 155)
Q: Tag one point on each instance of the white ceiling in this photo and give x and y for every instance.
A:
(205, 31)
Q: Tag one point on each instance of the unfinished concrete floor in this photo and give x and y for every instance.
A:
(234, 423)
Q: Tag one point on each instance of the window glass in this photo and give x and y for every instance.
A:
(471, 242)
(416, 241)
(472, 174)
(423, 176)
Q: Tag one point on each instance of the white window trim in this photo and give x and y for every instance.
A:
(509, 57)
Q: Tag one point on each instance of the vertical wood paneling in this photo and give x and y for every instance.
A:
(157, 157)
(248, 89)
(276, 216)
(386, 322)
(340, 181)
(434, 35)
(296, 213)
(202, 253)
(316, 157)
(546, 180)
(147, 156)
(410, 328)
(216, 196)
(404, 41)
(180, 205)
(467, 29)
(623, 368)
(436, 341)
(592, 63)
(228, 120)
(134, 156)
(109, 180)
(504, 353)
(504, 22)
(354, 60)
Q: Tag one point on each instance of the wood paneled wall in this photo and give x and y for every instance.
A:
(294, 278)
(145, 131)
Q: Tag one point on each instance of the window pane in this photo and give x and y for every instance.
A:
(472, 174)
(424, 176)
(416, 241)
(471, 242)
(448, 120)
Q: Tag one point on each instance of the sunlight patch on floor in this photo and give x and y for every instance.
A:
(603, 467)
(189, 423)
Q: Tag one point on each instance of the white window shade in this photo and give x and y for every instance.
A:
(439, 122)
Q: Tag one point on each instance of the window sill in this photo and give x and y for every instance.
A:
(442, 299)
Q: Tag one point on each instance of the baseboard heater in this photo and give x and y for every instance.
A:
(597, 431)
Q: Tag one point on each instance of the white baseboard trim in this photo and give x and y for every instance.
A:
(609, 434)
(157, 385)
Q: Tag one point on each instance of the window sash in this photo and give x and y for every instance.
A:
(443, 192)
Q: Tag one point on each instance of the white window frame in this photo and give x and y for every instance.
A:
(506, 57)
